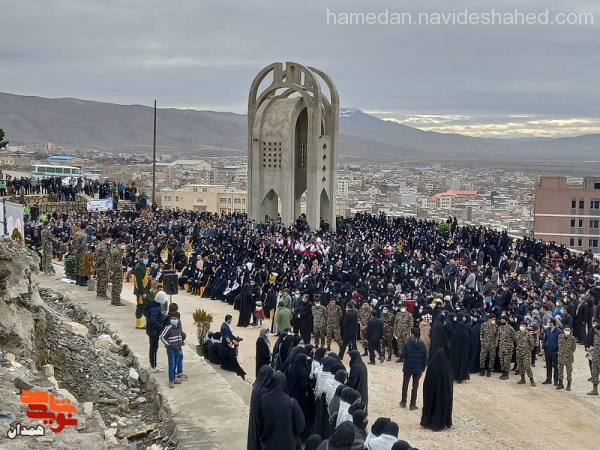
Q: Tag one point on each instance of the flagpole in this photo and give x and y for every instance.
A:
(154, 159)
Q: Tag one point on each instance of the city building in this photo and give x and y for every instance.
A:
(214, 198)
(15, 160)
(568, 213)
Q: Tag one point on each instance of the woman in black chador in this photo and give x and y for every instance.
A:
(438, 393)
(261, 387)
(460, 345)
(280, 419)
(246, 306)
(439, 338)
(263, 350)
(358, 378)
(229, 358)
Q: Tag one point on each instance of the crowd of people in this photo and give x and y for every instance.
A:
(446, 301)
(65, 189)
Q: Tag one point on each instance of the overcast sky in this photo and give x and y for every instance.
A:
(492, 80)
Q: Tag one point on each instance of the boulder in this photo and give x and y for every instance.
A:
(63, 393)
(106, 341)
(48, 370)
(23, 383)
(88, 408)
(133, 374)
(76, 328)
(54, 382)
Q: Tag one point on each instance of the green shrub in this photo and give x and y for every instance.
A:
(71, 267)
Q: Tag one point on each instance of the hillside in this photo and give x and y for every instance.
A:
(128, 128)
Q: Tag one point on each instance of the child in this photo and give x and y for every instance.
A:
(172, 338)
(259, 314)
(174, 308)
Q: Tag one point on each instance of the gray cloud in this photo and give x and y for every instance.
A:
(204, 54)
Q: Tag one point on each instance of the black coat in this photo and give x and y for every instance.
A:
(299, 383)
(475, 347)
(374, 331)
(229, 360)
(439, 339)
(280, 419)
(264, 378)
(350, 324)
(460, 346)
(246, 307)
(306, 317)
(263, 354)
(438, 393)
(358, 378)
(414, 354)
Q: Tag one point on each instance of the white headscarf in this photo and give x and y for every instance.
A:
(343, 414)
(322, 379)
(315, 369)
(330, 388)
(383, 442)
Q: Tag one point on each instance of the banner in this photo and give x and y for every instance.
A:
(13, 219)
(100, 205)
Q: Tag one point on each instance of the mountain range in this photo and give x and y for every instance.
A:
(86, 124)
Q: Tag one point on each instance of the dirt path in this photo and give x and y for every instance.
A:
(488, 412)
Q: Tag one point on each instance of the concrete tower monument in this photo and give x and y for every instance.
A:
(292, 144)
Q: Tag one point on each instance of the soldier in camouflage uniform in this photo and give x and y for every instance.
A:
(79, 249)
(47, 249)
(595, 360)
(319, 313)
(334, 317)
(506, 345)
(489, 341)
(525, 344)
(388, 332)
(567, 344)
(116, 272)
(102, 264)
(364, 314)
(402, 325)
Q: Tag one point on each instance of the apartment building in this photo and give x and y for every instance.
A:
(213, 198)
(568, 213)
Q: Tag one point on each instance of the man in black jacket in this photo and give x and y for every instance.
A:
(414, 354)
(374, 334)
(350, 327)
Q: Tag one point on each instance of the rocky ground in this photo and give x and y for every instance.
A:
(52, 345)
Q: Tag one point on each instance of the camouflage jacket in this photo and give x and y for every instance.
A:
(101, 257)
(402, 324)
(489, 335)
(334, 316)
(566, 348)
(364, 314)
(319, 313)
(525, 343)
(116, 259)
(506, 337)
(388, 324)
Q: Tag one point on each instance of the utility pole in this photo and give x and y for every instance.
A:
(154, 159)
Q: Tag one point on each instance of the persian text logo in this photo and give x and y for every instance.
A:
(55, 413)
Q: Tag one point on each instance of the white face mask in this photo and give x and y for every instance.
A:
(523, 328)
(567, 333)
(403, 309)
